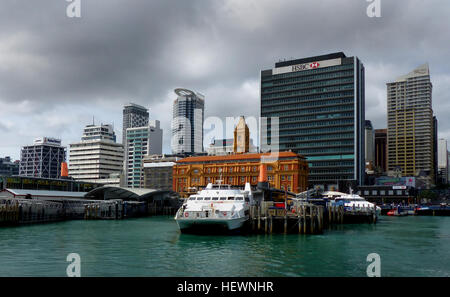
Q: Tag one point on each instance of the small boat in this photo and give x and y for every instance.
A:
(216, 208)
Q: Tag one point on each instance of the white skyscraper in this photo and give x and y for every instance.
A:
(97, 156)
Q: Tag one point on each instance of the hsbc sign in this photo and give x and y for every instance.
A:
(307, 66)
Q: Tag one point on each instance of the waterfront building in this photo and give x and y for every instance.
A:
(411, 127)
(140, 142)
(289, 171)
(381, 150)
(158, 171)
(51, 184)
(320, 104)
(442, 161)
(43, 158)
(97, 156)
(134, 115)
(7, 167)
(187, 123)
(370, 143)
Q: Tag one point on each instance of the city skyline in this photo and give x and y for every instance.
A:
(86, 87)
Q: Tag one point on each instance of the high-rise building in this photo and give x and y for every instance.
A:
(141, 142)
(43, 158)
(133, 116)
(381, 149)
(8, 167)
(97, 157)
(442, 161)
(370, 143)
(319, 102)
(187, 123)
(411, 126)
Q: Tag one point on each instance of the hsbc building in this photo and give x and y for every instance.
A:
(319, 102)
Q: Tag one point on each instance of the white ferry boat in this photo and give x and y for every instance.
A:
(356, 202)
(216, 207)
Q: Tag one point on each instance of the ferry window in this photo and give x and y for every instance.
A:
(199, 198)
(192, 198)
(230, 198)
(207, 198)
(247, 199)
(215, 198)
(239, 198)
(223, 198)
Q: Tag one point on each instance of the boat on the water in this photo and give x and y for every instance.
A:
(216, 208)
(353, 201)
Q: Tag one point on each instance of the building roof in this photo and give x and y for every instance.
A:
(422, 70)
(123, 193)
(46, 193)
(236, 157)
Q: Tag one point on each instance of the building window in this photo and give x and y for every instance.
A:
(286, 167)
(282, 177)
(253, 178)
(231, 170)
(269, 168)
(289, 177)
(254, 168)
(242, 179)
(270, 177)
(391, 192)
(382, 192)
(374, 193)
(366, 193)
(242, 169)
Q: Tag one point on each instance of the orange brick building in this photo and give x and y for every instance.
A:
(288, 171)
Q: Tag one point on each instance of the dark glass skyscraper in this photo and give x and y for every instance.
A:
(187, 123)
(320, 104)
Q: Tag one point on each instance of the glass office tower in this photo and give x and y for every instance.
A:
(319, 102)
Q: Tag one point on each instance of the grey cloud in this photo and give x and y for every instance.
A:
(139, 51)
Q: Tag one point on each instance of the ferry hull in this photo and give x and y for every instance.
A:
(210, 225)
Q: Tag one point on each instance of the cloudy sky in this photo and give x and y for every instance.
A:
(57, 73)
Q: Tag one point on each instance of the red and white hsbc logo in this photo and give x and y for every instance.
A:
(305, 66)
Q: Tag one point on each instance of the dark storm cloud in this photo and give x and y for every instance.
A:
(130, 50)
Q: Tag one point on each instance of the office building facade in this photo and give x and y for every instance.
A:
(319, 102)
(43, 158)
(411, 127)
(141, 142)
(134, 115)
(442, 161)
(97, 156)
(381, 150)
(187, 123)
(370, 143)
(158, 171)
(8, 167)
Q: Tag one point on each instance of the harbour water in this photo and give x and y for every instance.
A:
(408, 246)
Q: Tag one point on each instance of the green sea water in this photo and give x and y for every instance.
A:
(408, 246)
